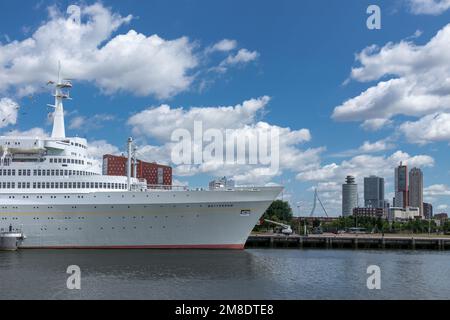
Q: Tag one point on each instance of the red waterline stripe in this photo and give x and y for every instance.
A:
(194, 246)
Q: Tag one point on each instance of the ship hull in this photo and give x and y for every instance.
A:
(137, 220)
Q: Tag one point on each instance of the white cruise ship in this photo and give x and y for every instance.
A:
(51, 192)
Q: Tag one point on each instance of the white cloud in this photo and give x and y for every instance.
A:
(77, 122)
(132, 62)
(377, 146)
(376, 124)
(223, 46)
(431, 128)
(418, 83)
(98, 148)
(8, 112)
(242, 57)
(364, 165)
(159, 123)
(437, 190)
(431, 7)
(87, 123)
(367, 147)
(34, 132)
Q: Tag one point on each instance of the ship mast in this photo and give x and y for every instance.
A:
(59, 131)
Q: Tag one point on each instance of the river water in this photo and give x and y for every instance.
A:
(204, 274)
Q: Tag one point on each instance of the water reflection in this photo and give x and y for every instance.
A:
(204, 274)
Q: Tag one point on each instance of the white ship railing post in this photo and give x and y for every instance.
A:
(130, 143)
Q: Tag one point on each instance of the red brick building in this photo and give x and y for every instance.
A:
(154, 173)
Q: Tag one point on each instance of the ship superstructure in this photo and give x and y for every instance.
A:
(55, 195)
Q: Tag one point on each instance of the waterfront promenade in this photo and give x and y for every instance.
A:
(354, 241)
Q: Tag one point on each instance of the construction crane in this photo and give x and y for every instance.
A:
(286, 229)
(316, 198)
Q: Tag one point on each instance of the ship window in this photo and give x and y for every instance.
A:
(83, 185)
(61, 185)
(53, 172)
(38, 185)
(79, 185)
(65, 172)
(51, 160)
(65, 185)
(19, 185)
(64, 160)
(59, 160)
(20, 172)
(29, 172)
(13, 172)
(52, 185)
(34, 185)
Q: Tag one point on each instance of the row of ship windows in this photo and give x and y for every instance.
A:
(83, 218)
(66, 161)
(63, 185)
(79, 228)
(78, 145)
(48, 172)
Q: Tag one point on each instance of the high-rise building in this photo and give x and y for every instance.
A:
(427, 210)
(401, 199)
(349, 196)
(374, 192)
(416, 189)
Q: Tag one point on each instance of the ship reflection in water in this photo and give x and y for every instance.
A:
(250, 274)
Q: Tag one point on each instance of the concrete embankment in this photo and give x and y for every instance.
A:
(348, 241)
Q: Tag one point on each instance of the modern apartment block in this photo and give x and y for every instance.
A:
(374, 192)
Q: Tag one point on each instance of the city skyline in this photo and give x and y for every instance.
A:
(409, 185)
(344, 105)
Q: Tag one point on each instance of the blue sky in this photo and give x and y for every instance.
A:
(288, 59)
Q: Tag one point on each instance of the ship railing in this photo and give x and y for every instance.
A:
(157, 187)
(160, 187)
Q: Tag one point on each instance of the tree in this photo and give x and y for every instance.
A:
(279, 211)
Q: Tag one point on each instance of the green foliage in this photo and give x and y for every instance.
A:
(381, 225)
(279, 211)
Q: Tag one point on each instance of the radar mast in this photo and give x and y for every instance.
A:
(61, 93)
